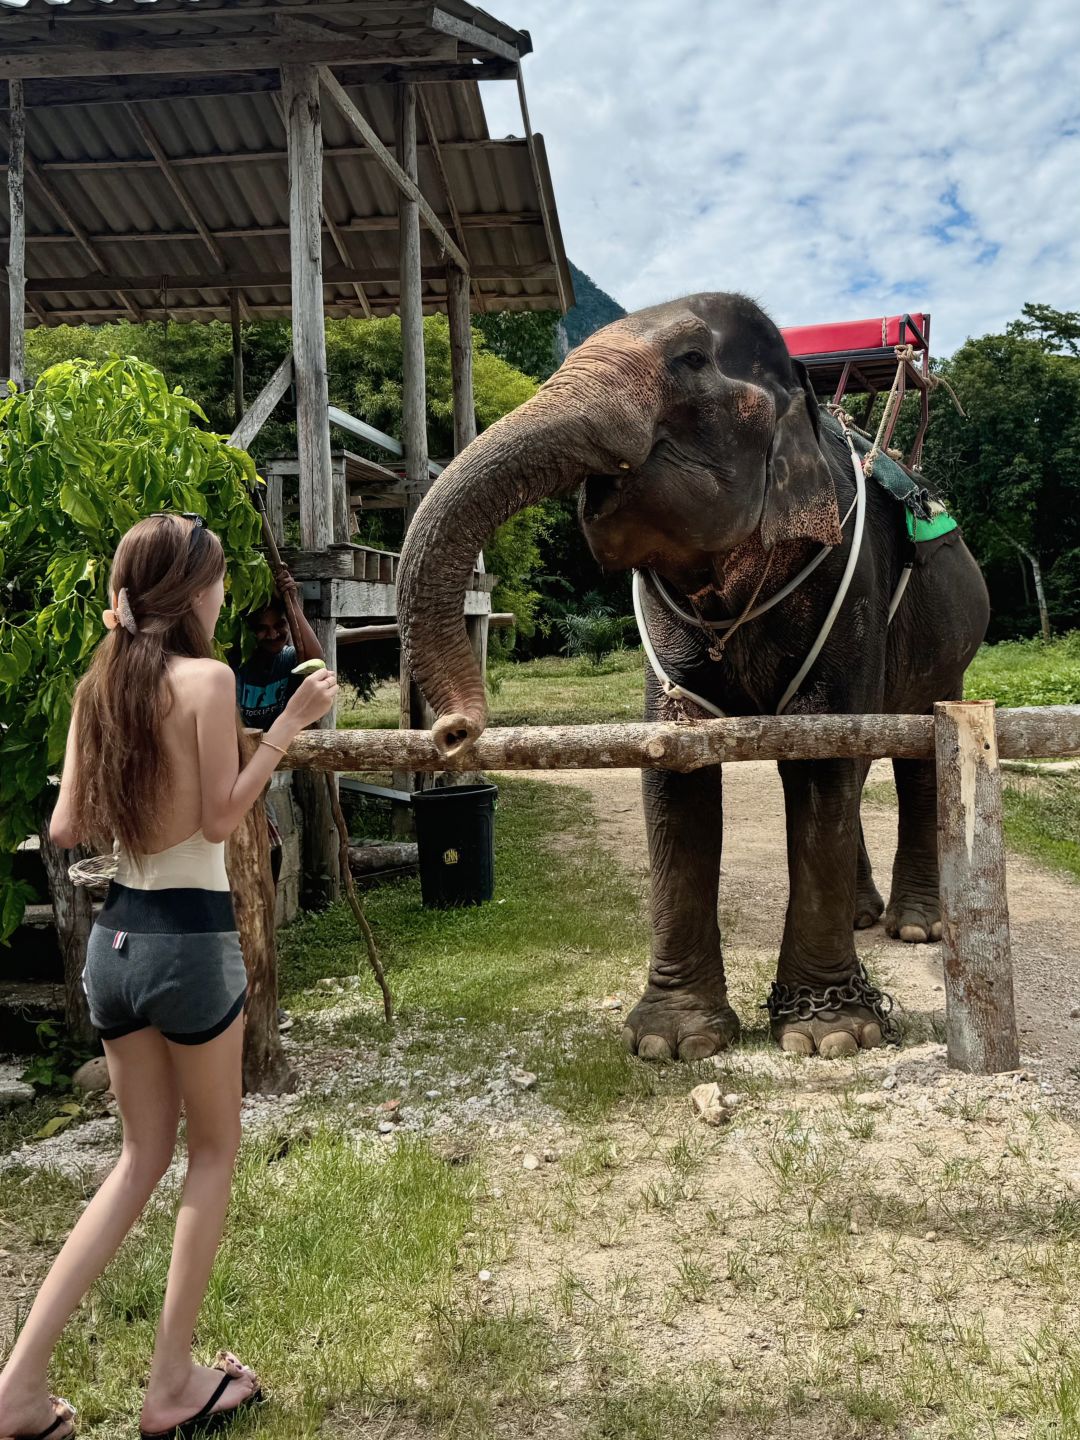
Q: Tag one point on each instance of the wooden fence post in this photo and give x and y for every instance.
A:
(980, 1019)
(266, 1069)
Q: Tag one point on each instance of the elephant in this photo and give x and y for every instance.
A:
(704, 463)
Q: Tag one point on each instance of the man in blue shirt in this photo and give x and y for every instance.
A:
(264, 683)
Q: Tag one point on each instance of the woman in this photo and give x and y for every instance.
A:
(154, 762)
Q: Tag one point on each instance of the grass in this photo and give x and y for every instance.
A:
(1027, 672)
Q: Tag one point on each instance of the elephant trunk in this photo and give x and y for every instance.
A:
(596, 415)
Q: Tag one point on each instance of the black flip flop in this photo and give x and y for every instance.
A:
(67, 1418)
(207, 1420)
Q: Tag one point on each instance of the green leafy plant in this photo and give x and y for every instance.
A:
(89, 450)
(594, 633)
(57, 1060)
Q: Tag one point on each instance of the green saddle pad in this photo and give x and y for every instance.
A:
(927, 519)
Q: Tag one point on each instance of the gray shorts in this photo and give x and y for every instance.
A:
(164, 958)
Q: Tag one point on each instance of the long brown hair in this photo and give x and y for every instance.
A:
(123, 770)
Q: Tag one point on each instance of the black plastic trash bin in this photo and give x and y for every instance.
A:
(455, 838)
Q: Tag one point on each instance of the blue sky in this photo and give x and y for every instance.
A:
(833, 160)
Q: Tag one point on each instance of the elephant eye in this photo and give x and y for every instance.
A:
(693, 359)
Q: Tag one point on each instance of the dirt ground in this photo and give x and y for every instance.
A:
(1043, 907)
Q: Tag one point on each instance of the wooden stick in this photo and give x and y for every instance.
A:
(237, 356)
(354, 900)
(16, 276)
(1022, 734)
(980, 1019)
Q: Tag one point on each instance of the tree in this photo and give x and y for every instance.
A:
(1058, 331)
(1012, 467)
(84, 454)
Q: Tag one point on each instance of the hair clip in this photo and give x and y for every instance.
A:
(121, 615)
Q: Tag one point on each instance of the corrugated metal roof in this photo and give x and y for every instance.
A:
(91, 162)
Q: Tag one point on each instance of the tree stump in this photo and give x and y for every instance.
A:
(248, 862)
(980, 1017)
(74, 914)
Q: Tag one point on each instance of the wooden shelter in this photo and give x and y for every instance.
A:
(235, 159)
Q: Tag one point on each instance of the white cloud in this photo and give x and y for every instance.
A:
(835, 160)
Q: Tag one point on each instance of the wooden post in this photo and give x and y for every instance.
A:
(459, 315)
(248, 863)
(300, 92)
(16, 357)
(5, 331)
(321, 880)
(237, 357)
(342, 513)
(275, 504)
(413, 398)
(980, 1024)
(74, 915)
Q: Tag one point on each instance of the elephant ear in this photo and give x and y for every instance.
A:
(800, 498)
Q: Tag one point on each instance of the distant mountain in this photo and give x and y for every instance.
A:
(594, 309)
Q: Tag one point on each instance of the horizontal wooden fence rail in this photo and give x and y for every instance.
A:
(1021, 734)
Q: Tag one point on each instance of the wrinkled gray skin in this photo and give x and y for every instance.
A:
(695, 443)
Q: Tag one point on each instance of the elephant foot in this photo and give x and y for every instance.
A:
(833, 1020)
(869, 907)
(683, 1024)
(913, 919)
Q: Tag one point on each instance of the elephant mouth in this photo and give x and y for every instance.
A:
(600, 497)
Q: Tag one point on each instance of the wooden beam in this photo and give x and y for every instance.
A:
(546, 207)
(149, 138)
(980, 1017)
(266, 279)
(65, 217)
(301, 91)
(406, 183)
(461, 357)
(472, 35)
(16, 265)
(218, 52)
(455, 216)
(1022, 734)
(263, 406)
(360, 634)
(414, 393)
(369, 224)
(123, 89)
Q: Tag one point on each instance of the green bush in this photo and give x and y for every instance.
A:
(595, 633)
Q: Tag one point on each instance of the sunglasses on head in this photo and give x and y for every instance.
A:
(197, 520)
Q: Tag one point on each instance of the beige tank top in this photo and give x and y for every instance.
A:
(192, 864)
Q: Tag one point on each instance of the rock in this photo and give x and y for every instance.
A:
(485, 1277)
(93, 1076)
(13, 1091)
(930, 1236)
(853, 1228)
(732, 1101)
(431, 1094)
(1074, 1013)
(521, 1079)
(386, 1127)
(889, 1083)
(390, 1108)
(531, 1162)
(706, 1103)
(611, 1002)
(869, 1100)
(328, 982)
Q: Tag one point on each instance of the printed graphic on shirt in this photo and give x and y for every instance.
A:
(263, 687)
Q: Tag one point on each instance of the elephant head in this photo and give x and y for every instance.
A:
(687, 428)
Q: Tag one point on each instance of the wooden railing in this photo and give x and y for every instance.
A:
(965, 740)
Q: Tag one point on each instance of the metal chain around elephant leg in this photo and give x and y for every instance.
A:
(804, 1002)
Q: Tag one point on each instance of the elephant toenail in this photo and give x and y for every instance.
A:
(871, 1037)
(935, 930)
(913, 934)
(837, 1044)
(696, 1047)
(629, 1039)
(654, 1047)
(796, 1044)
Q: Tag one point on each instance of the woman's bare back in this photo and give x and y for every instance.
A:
(178, 812)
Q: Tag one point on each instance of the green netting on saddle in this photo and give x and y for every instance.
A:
(927, 519)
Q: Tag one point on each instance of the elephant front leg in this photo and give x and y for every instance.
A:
(821, 798)
(684, 1011)
(914, 912)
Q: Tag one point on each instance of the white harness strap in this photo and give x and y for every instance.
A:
(674, 691)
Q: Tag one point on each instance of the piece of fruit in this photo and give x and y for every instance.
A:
(308, 667)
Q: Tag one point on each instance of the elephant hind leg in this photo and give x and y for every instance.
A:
(869, 906)
(914, 912)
